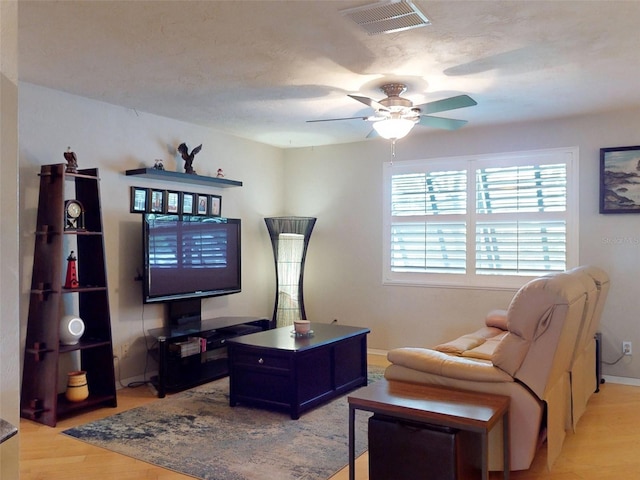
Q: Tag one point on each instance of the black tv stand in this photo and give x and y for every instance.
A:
(194, 353)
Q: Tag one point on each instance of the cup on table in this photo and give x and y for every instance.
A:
(302, 327)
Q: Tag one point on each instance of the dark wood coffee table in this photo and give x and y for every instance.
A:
(277, 369)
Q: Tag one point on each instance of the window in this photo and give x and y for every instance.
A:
(490, 220)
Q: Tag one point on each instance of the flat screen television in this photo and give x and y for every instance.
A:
(190, 257)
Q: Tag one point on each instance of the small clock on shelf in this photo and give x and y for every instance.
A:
(73, 215)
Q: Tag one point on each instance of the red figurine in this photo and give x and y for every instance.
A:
(72, 274)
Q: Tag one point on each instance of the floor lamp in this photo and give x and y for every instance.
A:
(289, 238)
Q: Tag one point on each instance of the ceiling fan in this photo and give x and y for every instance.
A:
(395, 116)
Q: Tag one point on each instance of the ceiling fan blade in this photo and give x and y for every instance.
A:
(443, 123)
(451, 103)
(368, 101)
(334, 119)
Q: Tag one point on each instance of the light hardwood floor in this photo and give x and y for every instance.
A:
(604, 447)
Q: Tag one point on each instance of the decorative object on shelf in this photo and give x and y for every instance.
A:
(173, 202)
(145, 200)
(71, 280)
(187, 203)
(71, 329)
(72, 161)
(219, 173)
(620, 180)
(203, 202)
(289, 239)
(77, 387)
(216, 205)
(158, 165)
(73, 215)
(188, 157)
(138, 200)
(157, 201)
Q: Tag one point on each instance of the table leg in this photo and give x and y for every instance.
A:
(352, 443)
(506, 445)
(485, 455)
(163, 349)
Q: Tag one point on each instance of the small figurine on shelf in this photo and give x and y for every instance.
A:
(188, 157)
(220, 173)
(72, 272)
(72, 161)
(158, 165)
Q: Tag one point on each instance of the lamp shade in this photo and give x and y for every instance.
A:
(289, 239)
(393, 128)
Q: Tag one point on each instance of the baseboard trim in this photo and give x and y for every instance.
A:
(373, 351)
(622, 380)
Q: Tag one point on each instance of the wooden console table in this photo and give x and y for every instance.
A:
(463, 410)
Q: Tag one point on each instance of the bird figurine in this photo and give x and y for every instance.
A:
(72, 161)
(188, 157)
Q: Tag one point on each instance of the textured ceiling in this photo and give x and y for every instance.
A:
(260, 69)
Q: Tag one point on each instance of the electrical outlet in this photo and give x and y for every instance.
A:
(627, 348)
(125, 350)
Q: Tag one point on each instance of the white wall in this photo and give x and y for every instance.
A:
(342, 186)
(9, 261)
(115, 139)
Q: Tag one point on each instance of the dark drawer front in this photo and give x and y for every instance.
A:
(260, 360)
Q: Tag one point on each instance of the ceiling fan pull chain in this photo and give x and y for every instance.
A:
(393, 151)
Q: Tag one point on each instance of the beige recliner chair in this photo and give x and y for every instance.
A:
(583, 375)
(530, 353)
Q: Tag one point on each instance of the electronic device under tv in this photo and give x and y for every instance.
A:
(187, 258)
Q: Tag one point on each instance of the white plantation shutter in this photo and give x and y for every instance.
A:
(521, 219)
(470, 218)
(428, 233)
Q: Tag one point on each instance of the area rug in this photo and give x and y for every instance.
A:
(197, 433)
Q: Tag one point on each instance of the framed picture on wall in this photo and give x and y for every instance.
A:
(216, 205)
(157, 201)
(620, 180)
(138, 200)
(203, 205)
(173, 202)
(188, 203)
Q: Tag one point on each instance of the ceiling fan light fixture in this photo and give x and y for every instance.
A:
(393, 128)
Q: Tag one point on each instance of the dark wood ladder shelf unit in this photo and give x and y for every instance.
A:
(180, 177)
(41, 400)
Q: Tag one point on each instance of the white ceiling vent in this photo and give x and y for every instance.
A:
(387, 16)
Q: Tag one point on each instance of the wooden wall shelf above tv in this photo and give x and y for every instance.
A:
(184, 177)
